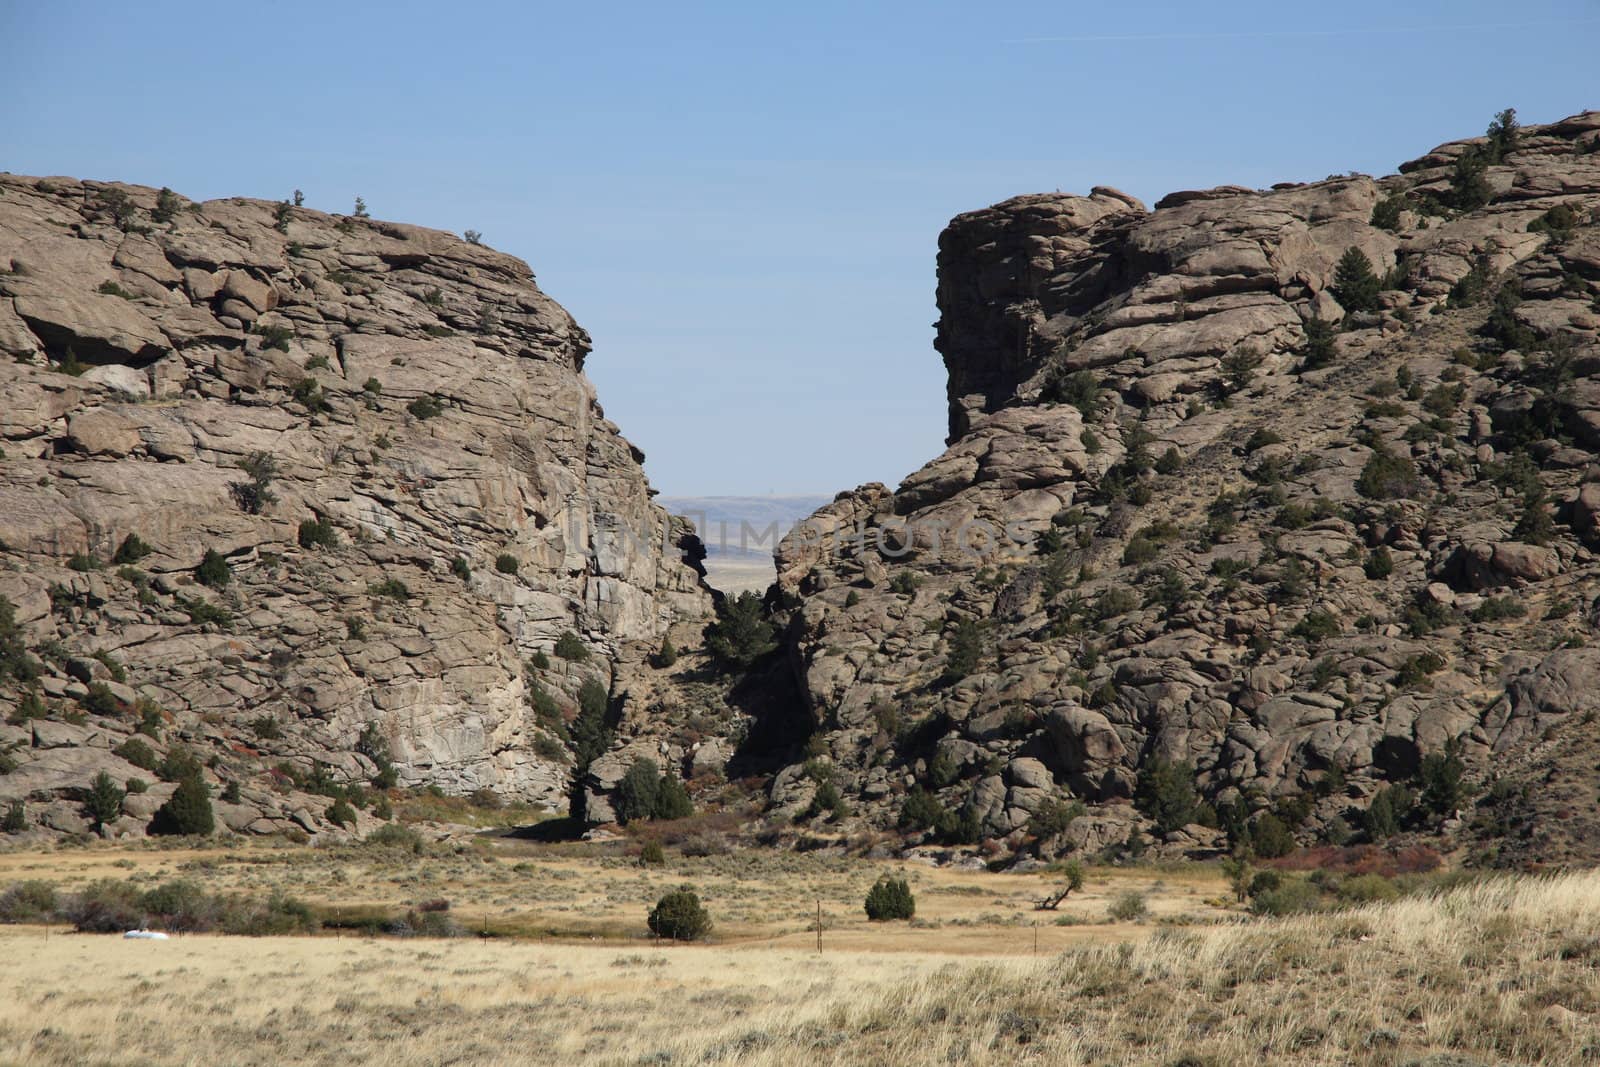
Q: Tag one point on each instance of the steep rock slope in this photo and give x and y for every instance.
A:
(384, 431)
(1196, 512)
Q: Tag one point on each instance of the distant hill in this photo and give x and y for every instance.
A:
(740, 533)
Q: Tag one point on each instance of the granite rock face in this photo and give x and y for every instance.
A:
(445, 496)
(1176, 523)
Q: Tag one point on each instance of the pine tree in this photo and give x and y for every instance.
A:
(103, 802)
(187, 812)
(1355, 283)
(741, 635)
(636, 793)
(679, 915)
(890, 898)
(1503, 135)
(213, 570)
(672, 799)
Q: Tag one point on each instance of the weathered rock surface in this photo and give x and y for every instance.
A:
(426, 412)
(1159, 532)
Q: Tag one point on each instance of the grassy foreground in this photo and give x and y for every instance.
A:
(1507, 971)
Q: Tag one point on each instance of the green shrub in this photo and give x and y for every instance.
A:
(1386, 213)
(1496, 608)
(317, 533)
(964, 651)
(1387, 812)
(1079, 388)
(905, 583)
(167, 206)
(1165, 793)
(392, 588)
(396, 836)
(84, 563)
(1239, 368)
(666, 656)
(1054, 816)
(1380, 564)
(132, 550)
(679, 916)
(15, 662)
(426, 407)
(213, 570)
(1388, 476)
(460, 569)
(1441, 781)
(100, 700)
(506, 563)
(308, 393)
(1288, 897)
(341, 813)
(890, 898)
(1315, 626)
(1469, 185)
(1270, 837)
(188, 811)
(569, 646)
(14, 821)
(1140, 549)
(652, 854)
(136, 752)
(1367, 889)
(672, 799)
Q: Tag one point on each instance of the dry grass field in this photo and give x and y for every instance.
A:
(1498, 972)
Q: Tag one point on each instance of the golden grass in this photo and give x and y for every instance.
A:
(522, 889)
(1503, 972)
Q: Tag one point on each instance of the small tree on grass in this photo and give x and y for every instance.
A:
(652, 854)
(672, 799)
(890, 898)
(636, 793)
(679, 916)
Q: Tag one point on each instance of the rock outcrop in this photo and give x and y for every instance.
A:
(385, 436)
(1196, 510)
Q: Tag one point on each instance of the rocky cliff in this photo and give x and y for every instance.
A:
(1197, 513)
(306, 494)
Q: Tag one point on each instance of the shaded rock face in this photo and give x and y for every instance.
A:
(446, 497)
(1165, 529)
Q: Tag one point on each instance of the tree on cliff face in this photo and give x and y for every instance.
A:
(741, 635)
(1355, 283)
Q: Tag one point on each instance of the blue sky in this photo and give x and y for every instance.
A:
(741, 201)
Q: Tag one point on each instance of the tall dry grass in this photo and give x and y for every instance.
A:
(1504, 972)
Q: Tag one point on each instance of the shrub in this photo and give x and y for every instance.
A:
(213, 571)
(396, 836)
(1239, 368)
(1054, 816)
(102, 803)
(105, 907)
(1165, 793)
(1367, 889)
(26, 902)
(202, 612)
(1388, 810)
(905, 583)
(506, 563)
(1319, 351)
(136, 752)
(890, 898)
(679, 916)
(1380, 564)
(652, 854)
(1355, 283)
(964, 652)
(1315, 626)
(1503, 133)
(181, 906)
(666, 656)
(317, 533)
(1270, 837)
(392, 588)
(591, 732)
(460, 569)
(1080, 389)
(426, 407)
(1440, 778)
(1386, 213)
(308, 393)
(132, 550)
(1288, 897)
(741, 634)
(100, 700)
(1388, 476)
(1496, 608)
(1128, 907)
(167, 206)
(15, 662)
(178, 764)
(187, 812)
(921, 810)
(672, 799)
(1140, 549)
(83, 563)
(274, 335)
(1469, 186)
(340, 813)
(15, 821)
(569, 646)
(1415, 669)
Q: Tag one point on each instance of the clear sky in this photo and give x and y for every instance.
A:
(741, 201)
